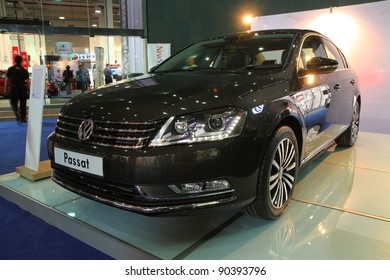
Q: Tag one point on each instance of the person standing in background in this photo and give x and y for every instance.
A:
(107, 74)
(119, 73)
(18, 77)
(82, 78)
(67, 77)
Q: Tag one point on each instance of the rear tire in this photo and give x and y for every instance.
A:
(349, 137)
(277, 176)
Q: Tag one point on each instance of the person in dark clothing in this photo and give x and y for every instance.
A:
(107, 74)
(18, 77)
(67, 76)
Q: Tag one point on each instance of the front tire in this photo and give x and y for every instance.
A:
(277, 176)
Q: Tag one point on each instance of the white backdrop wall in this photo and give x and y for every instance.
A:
(362, 32)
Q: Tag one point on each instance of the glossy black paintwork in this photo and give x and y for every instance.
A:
(158, 96)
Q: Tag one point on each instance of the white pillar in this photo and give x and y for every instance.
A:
(108, 13)
(136, 52)
(3, 12)
(137, 55)
(109, 23)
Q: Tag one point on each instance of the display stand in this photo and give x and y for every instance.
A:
(44, 171)
(33, 169)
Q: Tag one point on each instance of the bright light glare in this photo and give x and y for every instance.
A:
(310, 79)
(341, 28)
(248, 19)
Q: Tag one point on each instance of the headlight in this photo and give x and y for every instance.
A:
(201, 127)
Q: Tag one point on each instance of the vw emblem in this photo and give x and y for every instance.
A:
(85, 129)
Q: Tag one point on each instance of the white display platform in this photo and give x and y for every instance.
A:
(340, 201)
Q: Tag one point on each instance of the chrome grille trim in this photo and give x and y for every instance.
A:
(120, 138)
(125, 130)
(67, 130)
(124, 135)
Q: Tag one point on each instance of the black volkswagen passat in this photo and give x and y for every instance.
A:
(225, 122)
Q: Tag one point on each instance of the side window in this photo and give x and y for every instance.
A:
(334, 53)
(312, 47)
(270, 57)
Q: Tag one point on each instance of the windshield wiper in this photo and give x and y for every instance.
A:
(178, 70)
(168, 71)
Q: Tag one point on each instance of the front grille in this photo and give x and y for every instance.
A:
(125, 135)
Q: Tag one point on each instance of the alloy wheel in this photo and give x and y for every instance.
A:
(355, 123)
(282, 175)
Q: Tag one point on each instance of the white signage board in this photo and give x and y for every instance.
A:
(64, 47)
(83, 162)
(158, 53)
(35, 116)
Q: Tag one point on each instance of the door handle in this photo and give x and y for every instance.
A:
(337, 87)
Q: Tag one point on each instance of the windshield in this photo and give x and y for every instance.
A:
(253, 50)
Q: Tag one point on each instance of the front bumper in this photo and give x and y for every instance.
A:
(141, 180)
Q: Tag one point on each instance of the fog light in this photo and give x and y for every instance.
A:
(217, 185)
(204, 186)
(192, 187)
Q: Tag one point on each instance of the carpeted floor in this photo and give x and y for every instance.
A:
(13, 143)
(23, 235)
(26, 237)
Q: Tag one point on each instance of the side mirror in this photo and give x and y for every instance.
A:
(321, 65)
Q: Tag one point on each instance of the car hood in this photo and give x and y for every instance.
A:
(158, 96)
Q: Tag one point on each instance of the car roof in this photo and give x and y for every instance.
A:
(267, 31)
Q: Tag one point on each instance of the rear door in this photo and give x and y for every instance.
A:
(343, 92)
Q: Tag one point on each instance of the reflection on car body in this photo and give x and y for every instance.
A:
(230, 132)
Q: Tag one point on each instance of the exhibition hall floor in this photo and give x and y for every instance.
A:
(340, 210)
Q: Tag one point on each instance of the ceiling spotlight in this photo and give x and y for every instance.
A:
(97, 9)
(247, 19)
(61, 17)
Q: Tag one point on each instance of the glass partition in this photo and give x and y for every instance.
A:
(74, 33)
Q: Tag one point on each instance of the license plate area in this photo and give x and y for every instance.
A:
(79, 161)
